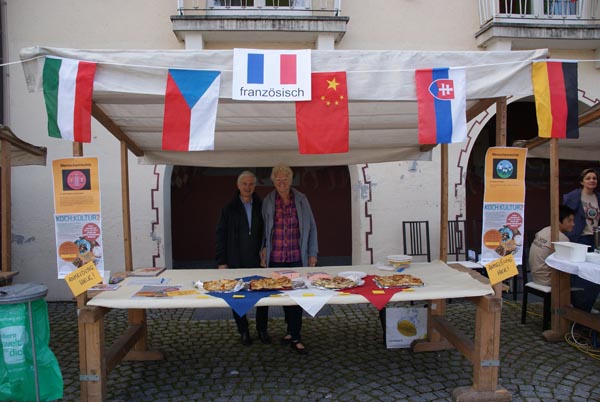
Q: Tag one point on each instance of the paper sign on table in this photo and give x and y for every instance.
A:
(501, 269)
(83, 278)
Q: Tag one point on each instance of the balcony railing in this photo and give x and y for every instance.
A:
(541, 11)
(259, 7)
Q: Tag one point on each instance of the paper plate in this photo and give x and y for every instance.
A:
(399, 258)
(353, 274)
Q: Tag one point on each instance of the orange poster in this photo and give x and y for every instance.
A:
(76, 187)
(77, 217)
(503, 204)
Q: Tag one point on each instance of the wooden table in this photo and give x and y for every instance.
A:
(562, 312)
(441, 282)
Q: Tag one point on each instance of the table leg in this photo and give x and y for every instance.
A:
(486, 355)
(93, 374)
(561, 298)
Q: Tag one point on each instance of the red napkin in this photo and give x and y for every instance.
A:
(366, 290)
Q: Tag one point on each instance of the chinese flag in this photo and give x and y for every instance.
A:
(322, 123)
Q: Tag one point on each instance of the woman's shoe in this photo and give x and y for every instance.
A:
(298, 347)
(286, 340)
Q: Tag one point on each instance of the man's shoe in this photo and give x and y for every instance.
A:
(264, 337)
(246, 340)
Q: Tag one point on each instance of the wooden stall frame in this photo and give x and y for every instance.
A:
(96, 361)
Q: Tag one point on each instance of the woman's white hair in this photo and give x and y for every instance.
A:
(281, 168)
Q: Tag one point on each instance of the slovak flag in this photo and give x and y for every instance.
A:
(191, 101)
(442, 103)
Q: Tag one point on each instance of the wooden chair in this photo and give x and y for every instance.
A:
(415, 238)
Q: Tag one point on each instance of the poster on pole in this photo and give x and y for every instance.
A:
(503, 204)
(77, 217)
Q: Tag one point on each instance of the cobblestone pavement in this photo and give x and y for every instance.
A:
(204, 361)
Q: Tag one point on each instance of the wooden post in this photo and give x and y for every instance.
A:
(444, 202)
(6, 206)
(560, 281)
(501, 122)
(125, 207)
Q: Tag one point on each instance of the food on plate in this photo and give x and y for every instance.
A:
(398, 280)
(312, 276)
(220, 285)
(337, 282)
(398, 261)
(271, 283)
(285, 272)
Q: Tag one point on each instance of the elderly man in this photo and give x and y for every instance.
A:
(239, 240)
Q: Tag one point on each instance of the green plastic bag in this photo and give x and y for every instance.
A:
(17, 380)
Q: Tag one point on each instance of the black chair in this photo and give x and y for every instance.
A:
(415, 238)
(457, 246)
(545, 292)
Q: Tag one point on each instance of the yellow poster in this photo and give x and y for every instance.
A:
(501, 269)
(503, 204)
(83, 278)
(76, 186)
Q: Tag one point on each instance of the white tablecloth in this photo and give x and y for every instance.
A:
(441, 282)
(587, 270)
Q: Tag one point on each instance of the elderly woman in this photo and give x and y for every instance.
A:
(585, 201)
(290, 240)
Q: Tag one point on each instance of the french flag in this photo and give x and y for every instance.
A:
(285, 68)
(191, 101)
(442, 104)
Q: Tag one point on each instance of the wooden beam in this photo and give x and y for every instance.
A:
(460, 341)
(479, 107)
(427, 147)
(122, 345)
(590, 115)
(125, 207)
(5, 212)
(7, 134)
(531, 143)
(115, 130)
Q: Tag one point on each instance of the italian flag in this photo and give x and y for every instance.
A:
(68, 86)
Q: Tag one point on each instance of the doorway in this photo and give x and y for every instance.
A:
(199, 193)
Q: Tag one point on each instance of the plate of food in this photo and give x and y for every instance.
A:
(398, 260)
(281, 283)
(336, 283)
(397, 281)
(221, 285)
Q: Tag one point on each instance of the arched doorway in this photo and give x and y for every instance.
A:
(199, 193)
(521, 125)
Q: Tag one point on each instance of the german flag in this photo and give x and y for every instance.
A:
(555, 90)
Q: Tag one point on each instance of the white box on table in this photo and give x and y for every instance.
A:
(569, 251)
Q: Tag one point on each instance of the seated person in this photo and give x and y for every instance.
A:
(541, 247)
(583, 293)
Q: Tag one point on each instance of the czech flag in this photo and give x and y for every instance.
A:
(442, 104)
(191, 101)
(555, 91)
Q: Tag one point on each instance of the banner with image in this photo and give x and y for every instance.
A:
(503, 204)
(77, 218)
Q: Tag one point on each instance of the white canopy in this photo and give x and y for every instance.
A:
(130, 84)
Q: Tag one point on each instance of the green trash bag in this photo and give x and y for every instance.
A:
(17, 380)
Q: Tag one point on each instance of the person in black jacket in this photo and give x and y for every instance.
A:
(239, 240)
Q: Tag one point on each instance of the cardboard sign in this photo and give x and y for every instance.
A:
(501, 269)
(83, 278)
